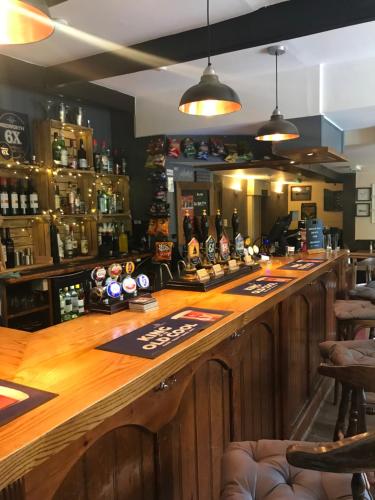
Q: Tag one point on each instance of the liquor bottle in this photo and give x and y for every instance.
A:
(104, 158)
(33, 200)
(81, 156)
(117, 167)
(79, 116)
(74, 242)
(4, 198)
(64, 157)
(3, 247)
(110, 161)
(68, 305)
(71, 198)
(62, 304)
(57, 198)
(68, 249)
(23, 207)
(9, 245)
(13, 196)
(123, 241)
(60, 245)
(56, 149)
(115, 242)
(77, 202)
(53, 232)
(81, 300)
(97, 157)
(103, 202)
(84, 241)
(109, 195)
(74, 298)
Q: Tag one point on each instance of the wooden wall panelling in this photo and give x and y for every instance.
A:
(15, 491)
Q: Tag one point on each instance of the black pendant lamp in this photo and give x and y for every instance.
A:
(277, 129)
(209, 97)
(24, 21)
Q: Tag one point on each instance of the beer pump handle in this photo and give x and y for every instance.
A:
(219, 225)
(204, 225)
(188, 228)
(235, 223)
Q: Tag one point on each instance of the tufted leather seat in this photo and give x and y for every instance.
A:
(259, 470)
(366, 292)
(349, 352)
(354, 309)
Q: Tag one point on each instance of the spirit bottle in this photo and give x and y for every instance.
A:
(81, 156)
(9, 245)
(4, 198)
(84, 241)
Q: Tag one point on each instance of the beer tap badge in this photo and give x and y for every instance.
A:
(239, 245)
(154, 339)
(210, 248)
(193, 251)
(224, 248)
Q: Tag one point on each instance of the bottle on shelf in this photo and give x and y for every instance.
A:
(68, 305)
(57, 198)
(74, 241)
(4, 197)
(71, 199)
(81, 300)
(123, 241)
(56, 149)
(23, 198)
(74, 298)
(62, 304)
(9, 245)
(13, 196)
(115, 241)
(81, 156)
(60, 245)
(54, 242)
(97, 157)
(110, 201)
(110, 161)
(33, 199)
(104, 159)
(64, 156)
(100, 235)
(119, 202)
(103, 202)
(84, 241)
(3, 247)
(68, 246)
(77, 202)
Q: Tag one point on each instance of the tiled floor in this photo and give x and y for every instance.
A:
(323, 427)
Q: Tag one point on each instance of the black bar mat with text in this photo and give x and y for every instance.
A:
(154, 339)
(303, 264)
(259, 287)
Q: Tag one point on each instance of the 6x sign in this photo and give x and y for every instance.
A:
(14, 136)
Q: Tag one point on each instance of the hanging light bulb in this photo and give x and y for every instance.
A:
(24, 21)
(277, 129)
(209, 97)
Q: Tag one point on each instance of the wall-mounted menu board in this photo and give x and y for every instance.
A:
(195, 201)
(333, 201)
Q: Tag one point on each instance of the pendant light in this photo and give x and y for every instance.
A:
(277, 129)
(24, 21)
(209, 97)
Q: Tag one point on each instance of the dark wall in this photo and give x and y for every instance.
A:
(273, 206)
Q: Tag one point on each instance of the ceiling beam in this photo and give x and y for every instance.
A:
(283, 21)
(52, 3)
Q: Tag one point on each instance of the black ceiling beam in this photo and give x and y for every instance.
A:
(32, 77)
(283, 21)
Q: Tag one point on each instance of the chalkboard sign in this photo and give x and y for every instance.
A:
(333, 201)
(196, 201)
(14, 136)
(314, 234)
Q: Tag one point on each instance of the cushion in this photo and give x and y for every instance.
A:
(259, 470)
(354, 309)
(349, 352)
(363, 291)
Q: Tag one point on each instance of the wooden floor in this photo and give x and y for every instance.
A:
(323, 426)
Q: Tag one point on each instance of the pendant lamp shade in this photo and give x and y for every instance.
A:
(209, 97)
(277, 128)
(24, 21)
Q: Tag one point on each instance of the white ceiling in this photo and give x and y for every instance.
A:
(124, 22)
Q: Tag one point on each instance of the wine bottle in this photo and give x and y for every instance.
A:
(4, 198)
(77, 202)
(33, 199)
(3, 247)
(9, 244)
(74, 242)
(68, 305)
(68, 247)
(13, 196)
(71, 198)
(84, 241)
(104, 158)
(97, 157)
(110, 161)
(23, 206)
(54, 242)
(81, 300)
(81, 156)
(60, 245)
(64, 157)
(74, 298)
(123, 241)
(57, 198)
(56, 149)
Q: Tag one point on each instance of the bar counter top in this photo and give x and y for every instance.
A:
(93, 385)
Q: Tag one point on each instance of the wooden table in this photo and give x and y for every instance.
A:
(114, 428)
(357, 257)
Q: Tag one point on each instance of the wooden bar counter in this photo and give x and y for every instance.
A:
(114, 432)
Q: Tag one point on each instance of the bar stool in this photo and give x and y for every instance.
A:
(353, 315)
(352, 362)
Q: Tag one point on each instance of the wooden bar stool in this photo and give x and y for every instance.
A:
(353, 315)
(352, 363)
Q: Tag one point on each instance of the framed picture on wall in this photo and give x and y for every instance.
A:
(308, 211)
(363, 194)
(300, 193)
(362, 210)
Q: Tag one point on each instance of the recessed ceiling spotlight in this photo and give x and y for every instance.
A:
(292, 162)
(310, 154)
(163, 68)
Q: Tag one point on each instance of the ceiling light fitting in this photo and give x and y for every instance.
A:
(209, 97)
(277, 129)
(24, 21)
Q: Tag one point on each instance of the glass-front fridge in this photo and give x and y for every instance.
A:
(69, 296)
